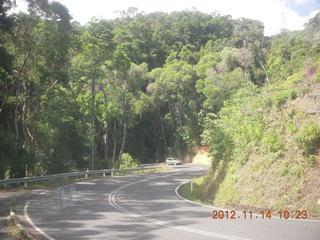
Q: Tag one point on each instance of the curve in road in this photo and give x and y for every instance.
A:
(142, 207)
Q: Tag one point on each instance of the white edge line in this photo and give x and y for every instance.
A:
(225, 209)
(39, 230)
(26, 215)
(113, 203)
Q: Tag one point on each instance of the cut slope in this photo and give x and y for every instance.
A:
(202, 156)
(274, 159)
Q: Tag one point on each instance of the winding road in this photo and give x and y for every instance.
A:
(147, 206)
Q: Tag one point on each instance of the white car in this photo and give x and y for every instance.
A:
(173, 161)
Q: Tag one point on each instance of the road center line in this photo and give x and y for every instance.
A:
(113, 203)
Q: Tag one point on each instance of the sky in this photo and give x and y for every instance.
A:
(275, 14)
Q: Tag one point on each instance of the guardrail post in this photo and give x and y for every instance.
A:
(104, 172)
(87, 173)
(27, 175)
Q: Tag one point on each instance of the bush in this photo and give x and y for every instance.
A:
(128, 162)
(308, 139)
(272, 142)
(295, 78)
(222, 145)
(282, 97)
(297, 170)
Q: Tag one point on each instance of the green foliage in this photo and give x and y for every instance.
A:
(222, 145)
(128, 162)
(312, 159)
(195, 195)
(287, 55)
(206, 63)
(272, 142)
(297, 170)
(220, 78)
(295, 78)
(281, 97)
(143, 84)
(284, 171)
(308, 139)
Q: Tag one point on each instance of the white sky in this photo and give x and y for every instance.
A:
(273, 13)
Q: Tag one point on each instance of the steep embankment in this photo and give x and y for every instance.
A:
(202, 156)
(265, 146)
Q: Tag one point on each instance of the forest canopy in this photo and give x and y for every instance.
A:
(143, 86)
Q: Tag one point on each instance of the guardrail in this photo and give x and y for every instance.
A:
(86, 174)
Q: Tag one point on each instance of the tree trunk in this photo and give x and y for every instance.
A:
(179, 116)
(162, 129)
(123, 143)
(114, 142)
(265, 71)
(106, 143)
(25, 114)
(93, 123)
(16, 127)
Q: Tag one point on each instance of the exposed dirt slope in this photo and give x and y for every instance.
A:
(202, 156)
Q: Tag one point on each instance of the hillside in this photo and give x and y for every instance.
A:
(141, 87)
(269, 157)
(266, 140)
(283, 150)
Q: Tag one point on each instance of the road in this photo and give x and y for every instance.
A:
(143, 207)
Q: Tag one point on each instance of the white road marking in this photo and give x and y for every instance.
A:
(112, 201)
(26, 215)
(39, 230)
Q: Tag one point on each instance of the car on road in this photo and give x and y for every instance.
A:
(173, 161)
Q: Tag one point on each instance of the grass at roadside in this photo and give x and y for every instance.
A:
(16, 230)
(159, 169)
(196, 194)
(192, 189)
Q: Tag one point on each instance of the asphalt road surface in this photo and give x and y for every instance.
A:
(143, 207)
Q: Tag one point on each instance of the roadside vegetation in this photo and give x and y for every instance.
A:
(265, 140)
(117, 93)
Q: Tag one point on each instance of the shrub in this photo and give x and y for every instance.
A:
(221, 144)
(284, 171)
(282, 97)
(272, 142)
(128, 162)
(312, 159)
(308, 139)
(297, 170)
(291, 127)
(295, 78)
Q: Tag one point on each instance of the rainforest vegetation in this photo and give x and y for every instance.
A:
(138, 88)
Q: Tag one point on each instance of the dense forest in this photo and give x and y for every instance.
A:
(138, 88)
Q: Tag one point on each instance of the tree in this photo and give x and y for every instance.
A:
(249, 34)
(173, 88)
